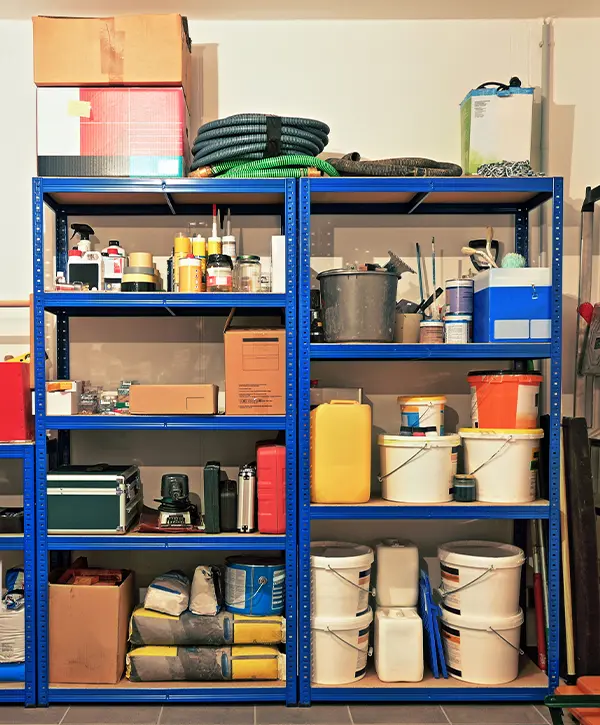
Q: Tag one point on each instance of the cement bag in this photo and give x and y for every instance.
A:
(206, 596)
(12, 635)
(148, 627)
(169, 593)
(204, 664)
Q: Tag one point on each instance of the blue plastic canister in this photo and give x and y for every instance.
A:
(254, 585)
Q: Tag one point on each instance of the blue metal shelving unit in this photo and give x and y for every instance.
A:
(156, 197)
(9, 691)
(515, 197)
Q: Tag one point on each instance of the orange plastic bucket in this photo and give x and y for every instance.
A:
(504, 399)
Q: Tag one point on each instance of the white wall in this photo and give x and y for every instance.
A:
(386, 88)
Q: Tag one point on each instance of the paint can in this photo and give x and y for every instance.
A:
(254, 585)
(431, 332)
(459, 296)
(465, 487)
(457, 328)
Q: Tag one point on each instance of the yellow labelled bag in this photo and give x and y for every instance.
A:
(340, 452)
(256, 662)
(258, 630)
(178, 664)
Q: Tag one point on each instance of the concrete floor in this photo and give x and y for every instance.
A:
(373, 714)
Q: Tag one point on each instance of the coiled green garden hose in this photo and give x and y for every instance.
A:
(232, 146)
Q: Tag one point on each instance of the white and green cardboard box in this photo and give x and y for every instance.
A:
(496, 125)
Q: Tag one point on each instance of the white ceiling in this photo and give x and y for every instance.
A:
(309, 9)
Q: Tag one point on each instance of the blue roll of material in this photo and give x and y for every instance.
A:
(254, 585)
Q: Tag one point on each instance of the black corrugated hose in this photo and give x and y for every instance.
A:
(351, 165)
(222, 145)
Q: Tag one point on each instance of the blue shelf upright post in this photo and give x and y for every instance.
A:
(555, 436)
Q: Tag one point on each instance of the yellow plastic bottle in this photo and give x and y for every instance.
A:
(340, 452)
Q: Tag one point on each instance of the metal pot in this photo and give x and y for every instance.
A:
(358, 306)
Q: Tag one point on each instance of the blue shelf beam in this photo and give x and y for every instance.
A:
(453, 511)
(429, 694)
(157, 197)
(133, 304)
(135, 693)
(27, 544)
(160, 542)
(391, 351)
(165, 422)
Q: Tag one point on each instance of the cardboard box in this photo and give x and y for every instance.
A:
(254, 371)
(112, 132)
(496, 126)
(173, 399)
(63, 397)
(134, 50)
(88, 628)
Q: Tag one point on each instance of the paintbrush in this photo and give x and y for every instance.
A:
(434, 315)
(420, 272)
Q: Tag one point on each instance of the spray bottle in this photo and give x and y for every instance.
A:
(228, 243)
(214, 241)
(84, 231)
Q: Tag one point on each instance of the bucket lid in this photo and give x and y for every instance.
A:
(432, 441)
(432, 323)
(489, 373)
(502, 433)
(355, 272)
(484, 623)
(343, 623)
(418, 399)
(481, 554)
(254, 560)
(340, 555)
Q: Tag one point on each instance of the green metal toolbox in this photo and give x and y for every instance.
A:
(98, 499)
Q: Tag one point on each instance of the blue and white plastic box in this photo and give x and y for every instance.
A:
(513, 305)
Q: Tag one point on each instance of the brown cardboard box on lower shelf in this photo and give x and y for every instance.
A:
(173, 399)
(88, 628)
(255, 371)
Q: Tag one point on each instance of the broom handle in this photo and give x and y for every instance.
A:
(566, 566)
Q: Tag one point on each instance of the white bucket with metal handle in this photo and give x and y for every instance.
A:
(504, 462)
(340, 648)
(417, 469)
(480, 579)
(485, 652)
(341, 578)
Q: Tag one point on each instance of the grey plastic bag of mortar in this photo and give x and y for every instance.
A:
(206, 596)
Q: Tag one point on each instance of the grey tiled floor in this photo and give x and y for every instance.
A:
(375, 714)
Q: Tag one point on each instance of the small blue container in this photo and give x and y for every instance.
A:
(12, 672)
(254, 585)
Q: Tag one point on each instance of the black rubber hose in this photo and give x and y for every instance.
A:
(351, 165)
(251, 136)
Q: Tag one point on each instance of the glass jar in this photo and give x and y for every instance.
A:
(219, 273)
(248, 273)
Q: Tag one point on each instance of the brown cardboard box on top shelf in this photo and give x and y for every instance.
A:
(88, 628)
(254, 370)
(173, 399)
(125, 50)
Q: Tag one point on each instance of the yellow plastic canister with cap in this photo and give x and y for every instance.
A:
(340, 452)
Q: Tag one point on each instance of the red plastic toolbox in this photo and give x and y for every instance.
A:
(16, 421)
(270, 474)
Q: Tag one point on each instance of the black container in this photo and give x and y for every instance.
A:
(138, 287)
(228, 507)
(212, 478)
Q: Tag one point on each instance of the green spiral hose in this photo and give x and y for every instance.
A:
(279, 166)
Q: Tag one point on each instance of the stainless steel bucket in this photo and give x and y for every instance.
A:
(358, 306)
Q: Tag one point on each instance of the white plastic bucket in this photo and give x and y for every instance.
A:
(341, 578)
(423, 412)
(504, 462)
(340, 647)
(480, 579)
(485, 652)
(417, 469)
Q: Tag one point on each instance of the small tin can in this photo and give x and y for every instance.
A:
(431, 332)
(465, 487)
(459, 296)
(457, 328)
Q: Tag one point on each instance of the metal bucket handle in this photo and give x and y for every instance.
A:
(349, 644)
(491, 458)
(343, 578)
(510, 644)
(262, 581)
(380, 478)
(445, 593)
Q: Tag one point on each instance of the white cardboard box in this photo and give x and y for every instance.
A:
(64, 402)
